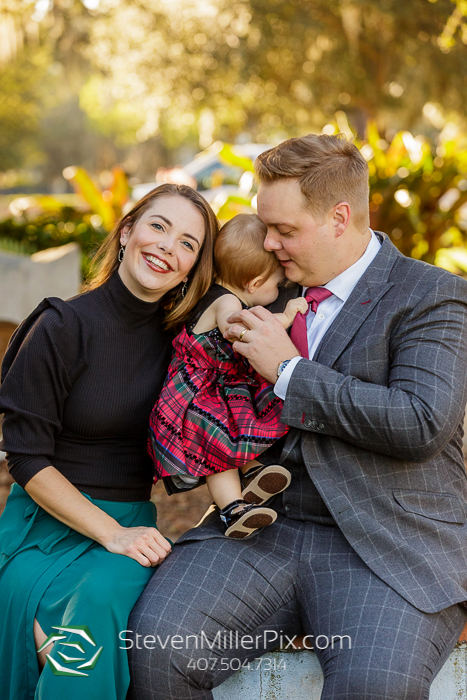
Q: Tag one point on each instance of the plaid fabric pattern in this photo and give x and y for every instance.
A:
(291, 578)
(214, 412)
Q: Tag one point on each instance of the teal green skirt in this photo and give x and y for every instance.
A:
(80, 593)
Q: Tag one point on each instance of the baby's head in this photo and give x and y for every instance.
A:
(243, 264)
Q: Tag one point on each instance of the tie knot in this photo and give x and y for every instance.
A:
(315, 295)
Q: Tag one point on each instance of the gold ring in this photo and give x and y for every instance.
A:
(242, 334)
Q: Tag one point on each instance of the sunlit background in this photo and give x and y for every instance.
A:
(101, 100)
(105, 97)
(122, 91)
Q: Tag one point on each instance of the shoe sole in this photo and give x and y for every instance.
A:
(269, 482)
(250, 522)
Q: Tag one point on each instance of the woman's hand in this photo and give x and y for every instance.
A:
(144, 544)
(54, 493)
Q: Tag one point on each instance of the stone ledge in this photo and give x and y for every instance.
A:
(25, 281)
(302, 679)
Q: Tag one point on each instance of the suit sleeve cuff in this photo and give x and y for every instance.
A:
(280, 387)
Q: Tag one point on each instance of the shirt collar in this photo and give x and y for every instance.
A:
(342, 286)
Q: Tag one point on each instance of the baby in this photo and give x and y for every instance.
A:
(215, 414)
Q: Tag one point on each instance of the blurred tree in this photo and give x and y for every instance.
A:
(271, 69)
(162, 73)
(23, 77)
(43, 66)
(20, 110)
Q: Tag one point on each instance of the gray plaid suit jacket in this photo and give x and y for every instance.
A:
(379, 412)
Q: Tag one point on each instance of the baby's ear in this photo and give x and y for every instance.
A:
(253, 285)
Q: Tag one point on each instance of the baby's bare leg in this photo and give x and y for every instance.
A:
(249, 465)
(224, 487)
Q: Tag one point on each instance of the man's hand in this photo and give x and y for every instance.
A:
(265, 344)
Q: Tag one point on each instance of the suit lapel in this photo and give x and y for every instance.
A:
(368, 291)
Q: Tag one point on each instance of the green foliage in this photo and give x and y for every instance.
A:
(51, 229)
(456, 27)
(107, 205)
(11, 245)
(419, 192)
(43, 222)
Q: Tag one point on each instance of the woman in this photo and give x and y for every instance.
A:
(78, 535)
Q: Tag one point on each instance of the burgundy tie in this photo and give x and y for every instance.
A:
(298, 332)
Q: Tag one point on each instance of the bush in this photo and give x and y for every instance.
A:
(44, 222)
(418, 191)
(49, 230)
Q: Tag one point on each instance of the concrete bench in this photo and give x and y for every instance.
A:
(283, 675)
(25, 281)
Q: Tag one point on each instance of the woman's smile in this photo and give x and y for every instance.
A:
(156, 263)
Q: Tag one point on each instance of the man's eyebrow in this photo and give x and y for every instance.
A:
(161, 217)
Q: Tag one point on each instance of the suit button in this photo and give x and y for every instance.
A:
(321, 426)
(287, 507)
(314, 425)
(307, 423)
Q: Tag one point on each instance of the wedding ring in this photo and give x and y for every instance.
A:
(243, 333)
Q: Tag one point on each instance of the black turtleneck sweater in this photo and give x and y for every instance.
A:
(79, 380)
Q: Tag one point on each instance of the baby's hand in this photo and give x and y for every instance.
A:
(296, 306)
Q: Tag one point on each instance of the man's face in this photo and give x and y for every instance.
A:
(305, 246)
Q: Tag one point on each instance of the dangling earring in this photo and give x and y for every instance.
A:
(184, 288)
(121, 253)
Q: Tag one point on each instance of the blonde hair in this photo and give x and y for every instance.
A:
(239, 254)
(329, 170)
(201, 275)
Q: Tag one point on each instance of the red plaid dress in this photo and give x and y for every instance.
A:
(214, 412)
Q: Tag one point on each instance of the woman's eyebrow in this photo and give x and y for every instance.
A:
(188, 235)
(159, 216)
(193, 238)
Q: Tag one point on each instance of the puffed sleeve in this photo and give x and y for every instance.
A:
(45, 356)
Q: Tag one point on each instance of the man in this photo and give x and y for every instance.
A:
(370, 542)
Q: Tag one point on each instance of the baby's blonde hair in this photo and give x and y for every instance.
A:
(239, 254)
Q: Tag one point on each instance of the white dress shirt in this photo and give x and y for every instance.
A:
(317, 324)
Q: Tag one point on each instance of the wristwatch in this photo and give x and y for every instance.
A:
(282, 366)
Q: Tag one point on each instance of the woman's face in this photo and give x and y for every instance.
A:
(162, 247)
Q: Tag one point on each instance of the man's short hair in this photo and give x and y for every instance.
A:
(329, 170)
(239, 253)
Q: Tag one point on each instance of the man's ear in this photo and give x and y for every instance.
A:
(125, 234)
(253, 285)
(341, 217)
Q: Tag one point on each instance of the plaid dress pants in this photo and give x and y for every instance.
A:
(292, 577)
